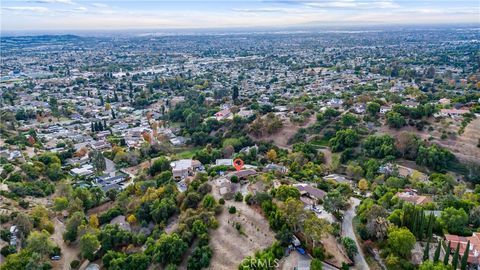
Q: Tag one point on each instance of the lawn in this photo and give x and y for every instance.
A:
(186, 153)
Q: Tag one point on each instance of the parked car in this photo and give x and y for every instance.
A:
(56, 257)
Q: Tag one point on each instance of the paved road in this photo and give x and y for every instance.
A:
(348, 230)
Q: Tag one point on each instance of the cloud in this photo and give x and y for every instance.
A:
(341, 4)
(68, 2)
(81, 9)
(28, 9)
(100, 5)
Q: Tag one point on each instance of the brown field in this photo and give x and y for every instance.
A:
(464, 146)
(230, 246)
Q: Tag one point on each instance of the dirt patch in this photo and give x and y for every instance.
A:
(229, 245)
(101, 208)
(332, 247)
(281, 137)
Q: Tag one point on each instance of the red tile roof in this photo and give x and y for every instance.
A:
(474, 245)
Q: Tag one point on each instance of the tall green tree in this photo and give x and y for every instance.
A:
(447, 254)
(463, 264)
(426, 252)
(235, 92)
(436, 256)
(455, 256)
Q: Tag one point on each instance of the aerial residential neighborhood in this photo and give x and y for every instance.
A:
(317, 146)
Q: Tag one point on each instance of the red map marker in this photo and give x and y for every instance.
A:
(238, 164)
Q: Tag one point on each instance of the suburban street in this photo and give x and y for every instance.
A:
(348, 230)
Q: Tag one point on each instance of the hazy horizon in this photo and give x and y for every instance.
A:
(106, 15)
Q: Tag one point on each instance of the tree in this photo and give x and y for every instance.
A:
(429, 265)
(315, 228)
(350, 246)
(193, 120)
(447, 254)
(434, 157)
(284, 192)
(316, 264)
(71, 226)
(463, 265)
(436, 256)
(379, 146)
(349, 120)
(426, 252)
(373, 108)
(89, 244)
(363, 185)
(272, 155)
(200, 258)
(474, 217)
(169, 249)
(98, 161)
(93, 221)
(401, 241)
(159, 165)
(132, 219)
(235, 92)
(334, 201)
(40, 243)
(24, 224)
(455, 256)
(407, 144)
(294, 213)
(453, 220)
(395, 120)
(343, 139)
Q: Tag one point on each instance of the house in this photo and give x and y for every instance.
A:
(275, 168)
(13, 237)
(178, 141)
(223, 114)
(85, 170)
(402, 171)
(243, 174)
(473, 253)
(335, 103)
(359, 108)
(410, 103)
(444, 101)
(224, 162)
(451, 113)
(100, 145)
(311, 192)
(385, 109)
(410, 195)
(184, 168)
(247, 149)
(111, 181)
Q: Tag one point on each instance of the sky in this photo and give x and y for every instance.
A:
(51, 15)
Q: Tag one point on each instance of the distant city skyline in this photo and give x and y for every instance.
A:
(51, 15)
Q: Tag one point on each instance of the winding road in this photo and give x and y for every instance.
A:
(348, 230)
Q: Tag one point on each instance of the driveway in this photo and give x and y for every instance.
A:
(296, 259)
(348, 230)
(68, 253)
